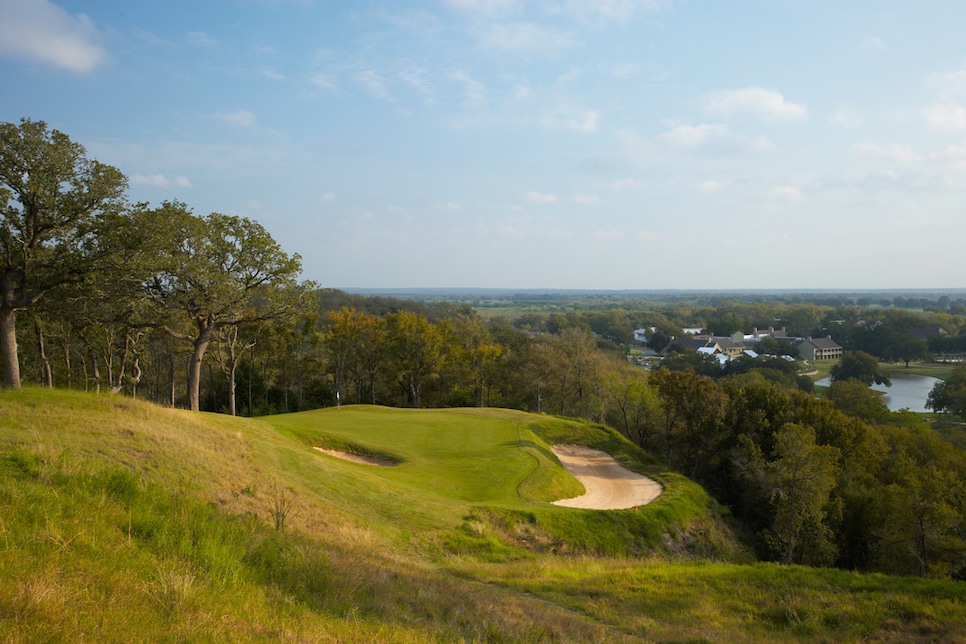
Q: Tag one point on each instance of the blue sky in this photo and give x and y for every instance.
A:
(579, 144)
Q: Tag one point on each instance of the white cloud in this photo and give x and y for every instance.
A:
(159, 181)
(483, 6)
(953, 154)
(450, 206)
(415, 20)
(755, 100)
(473, 90)
(243, 118)
(715, 137)
(624, 184)
(585, 121)
(692, 136)
(586, 200)
(648, 235)
(373, 82)
(415, 76)
(952, 83)
(624, 70)
(201, 39)
(41, 31)
(600, 12)
(269, 72)
(328, 197)
(325, 81)
(894, 152)
(789, 194)
(945, 117)
(873, 43)
(710, 186)
(525, 36)
(846, 117)
(511, 231)
(609, 235)
(539, 197)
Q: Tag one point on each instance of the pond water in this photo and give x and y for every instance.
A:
(908, 391)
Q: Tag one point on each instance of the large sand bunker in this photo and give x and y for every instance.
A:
(609, 485)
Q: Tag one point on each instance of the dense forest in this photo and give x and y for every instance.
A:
(209, 313)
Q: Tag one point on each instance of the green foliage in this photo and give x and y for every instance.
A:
(950, 395)
(211, 273)
(860, 366)
(53, 203)
(855, 398)
(801, 477)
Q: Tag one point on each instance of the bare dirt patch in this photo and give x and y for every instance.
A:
(356, 458)
(609, 485)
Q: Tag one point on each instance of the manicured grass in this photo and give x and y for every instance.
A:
(941, 370)
(124, 521)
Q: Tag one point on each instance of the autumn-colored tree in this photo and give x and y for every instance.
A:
(414, 348)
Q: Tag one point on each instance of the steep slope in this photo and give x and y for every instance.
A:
(124, 521)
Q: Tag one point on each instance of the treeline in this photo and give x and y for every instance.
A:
(887, 332)
(839, 481)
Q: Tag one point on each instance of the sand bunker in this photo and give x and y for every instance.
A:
(356, 458)
(609, 485)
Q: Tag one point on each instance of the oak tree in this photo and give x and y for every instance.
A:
(52, 198)
(213, 272)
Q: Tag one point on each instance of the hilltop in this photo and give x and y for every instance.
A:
(122, 520)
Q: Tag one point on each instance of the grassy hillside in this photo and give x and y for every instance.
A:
(123, 521)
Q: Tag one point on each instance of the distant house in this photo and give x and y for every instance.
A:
(819, 349)
(684, 344)
(755, 336)
(716, 353)
(641, 335)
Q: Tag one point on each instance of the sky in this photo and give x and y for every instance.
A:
(577, 144)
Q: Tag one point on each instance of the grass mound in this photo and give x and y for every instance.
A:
(120, 520)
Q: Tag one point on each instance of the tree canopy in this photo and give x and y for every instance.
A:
(52, 197)
(860, 366)
(214, 272)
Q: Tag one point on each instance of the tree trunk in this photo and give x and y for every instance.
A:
(87, 384)
(48, 375)
(136, 377)
(117, 384)
(171, 371)
(67, 363)
(8, 347)
(206, 330)
(231, 387)
(97, 373)
(791, 527)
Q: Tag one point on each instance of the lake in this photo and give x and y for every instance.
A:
(908, 390)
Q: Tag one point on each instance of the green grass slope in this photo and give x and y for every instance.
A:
(124, 521)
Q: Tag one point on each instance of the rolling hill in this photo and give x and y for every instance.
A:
(124, 521)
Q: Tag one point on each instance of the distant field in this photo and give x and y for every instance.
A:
(124, 521)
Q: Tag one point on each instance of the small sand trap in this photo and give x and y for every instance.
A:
(356, 458)
(609, 485)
